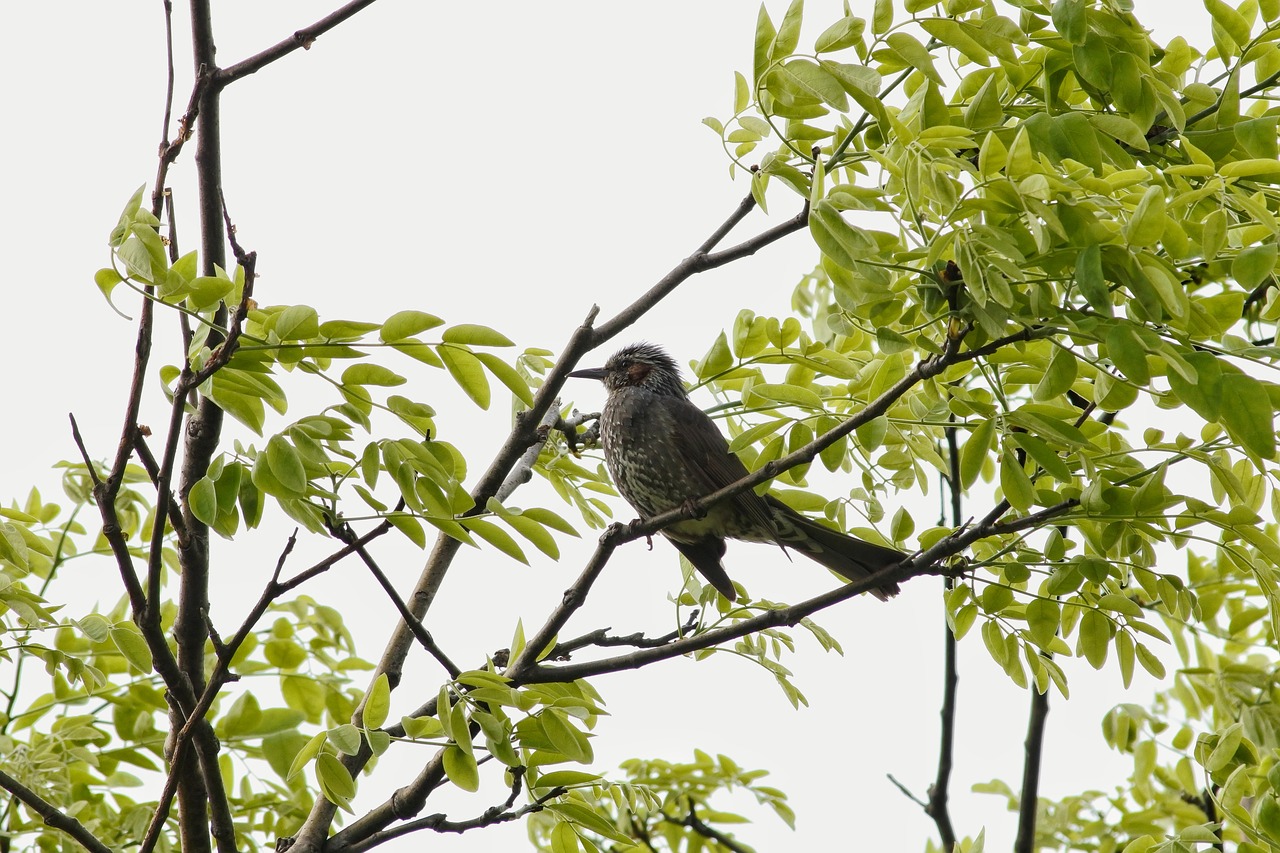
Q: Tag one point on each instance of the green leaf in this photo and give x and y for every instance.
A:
(1094, 637)
(1146, 225)
(765, 34)
(1043, 618)
(346, 739)
(566, 739)
(1128, 352)
(286, 465)
(377, 703)
(784, 43)
(367, 373)
(507, 375)
(1247, 412)
(128, 640)
(470, 334)
(203, 501)
(1228, 742)
(461, 768)
(844, 33)
(1058, 377)
(806, 79)
(974, 452)
(1069, 20)
(205, 292)
(882, 16)
(1231, 21)
(467, 371)
(1015, 483)
(335, 781)
(843, 243)
(912, 52)
(792, 395)
(535, 533)
(1254, 265)
(406, 324)
(1090, 280)
(308, 752)
(297, 322)
(495, 536)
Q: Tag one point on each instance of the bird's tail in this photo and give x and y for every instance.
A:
(845, 555)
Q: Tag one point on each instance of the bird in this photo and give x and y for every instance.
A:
(664, 452)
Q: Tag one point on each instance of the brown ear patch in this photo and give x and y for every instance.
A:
(636, 373)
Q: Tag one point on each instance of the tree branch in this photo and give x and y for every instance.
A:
(302, 38)
(693, 822)
(440, 822)
(1030, 800)
(343, 533)
(51, 815)
(601, 637)
(925, 562)
(524, 434)
(937, 807)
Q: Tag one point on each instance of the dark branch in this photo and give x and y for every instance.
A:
(601, 637)
(1030, 799)
(525, 433)
(343, 533)
(695, 823)
(303, 38)
(51, 815)
(937, 807)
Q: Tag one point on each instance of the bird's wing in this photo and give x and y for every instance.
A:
(704, 451)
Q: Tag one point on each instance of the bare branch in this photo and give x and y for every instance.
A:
(303, 38)
(148, 460)
(906, 792)
(937, 807)
(343, 533)
(1025, 842)
(440, 822)
(923, 563)
(51, 815)
(601, 637)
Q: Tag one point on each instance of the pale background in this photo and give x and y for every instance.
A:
(510, 164)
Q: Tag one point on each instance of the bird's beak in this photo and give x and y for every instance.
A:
(588, 373)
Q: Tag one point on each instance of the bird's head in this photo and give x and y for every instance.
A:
(641, 365)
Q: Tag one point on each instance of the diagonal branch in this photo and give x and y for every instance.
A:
(923, 563)
(524, 435)
(51, 815)
(343, 533)
(303, 38)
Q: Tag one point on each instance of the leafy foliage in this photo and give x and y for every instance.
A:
(1075, 225)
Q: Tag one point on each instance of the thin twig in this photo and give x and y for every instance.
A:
(601, 637)
(302, 38)
(343, 533)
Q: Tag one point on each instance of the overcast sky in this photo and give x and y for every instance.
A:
(509, 164)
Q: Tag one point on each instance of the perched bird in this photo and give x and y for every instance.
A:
(663, 451)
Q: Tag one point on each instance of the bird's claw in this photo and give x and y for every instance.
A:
(690, 508)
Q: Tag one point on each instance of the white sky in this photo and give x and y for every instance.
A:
(509, 164)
